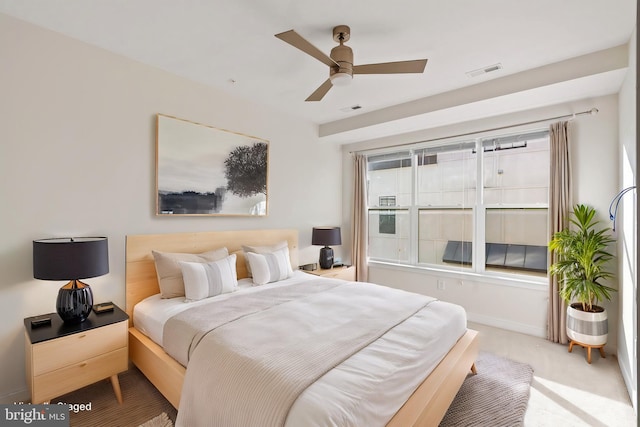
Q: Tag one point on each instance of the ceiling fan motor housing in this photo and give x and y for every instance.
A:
(343, 55)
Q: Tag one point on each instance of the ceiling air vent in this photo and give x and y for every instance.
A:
(485, 70)
(352, 108)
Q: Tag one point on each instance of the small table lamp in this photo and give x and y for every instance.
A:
(71, 258)
(325, 236)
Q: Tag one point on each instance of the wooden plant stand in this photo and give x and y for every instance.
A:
(588, 347)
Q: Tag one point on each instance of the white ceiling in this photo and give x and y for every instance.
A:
(230, 44)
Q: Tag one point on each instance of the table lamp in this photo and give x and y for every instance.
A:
(71, 258)
(325, 236)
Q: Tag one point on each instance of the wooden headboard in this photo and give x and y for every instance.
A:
(140, 275)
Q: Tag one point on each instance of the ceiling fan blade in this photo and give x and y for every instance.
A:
(415, 66)
(319, 93)
(297, 41)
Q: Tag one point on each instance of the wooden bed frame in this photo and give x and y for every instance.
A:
(426, 406)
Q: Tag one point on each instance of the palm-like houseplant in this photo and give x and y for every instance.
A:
(581, 269)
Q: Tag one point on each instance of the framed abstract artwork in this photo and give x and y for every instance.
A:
(203, 170)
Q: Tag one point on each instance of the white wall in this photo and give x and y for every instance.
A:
(521, 307)
(77, 157)
(626, 228)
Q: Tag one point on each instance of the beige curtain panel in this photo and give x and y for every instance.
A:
(560, 205)
(359, 218)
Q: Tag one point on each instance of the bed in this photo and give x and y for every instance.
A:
(426, 405)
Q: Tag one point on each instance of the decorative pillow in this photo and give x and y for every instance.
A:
(262, 250)
(203, 280)
(270, 267)
(169, 273)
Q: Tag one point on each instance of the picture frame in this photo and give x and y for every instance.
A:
(202, 170)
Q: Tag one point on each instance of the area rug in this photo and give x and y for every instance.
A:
(142, 402)
(497, 396)
(161, 420)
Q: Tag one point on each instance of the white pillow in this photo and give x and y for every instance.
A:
(168, 269)
(203, 280)
(262, 250)
(270, 267)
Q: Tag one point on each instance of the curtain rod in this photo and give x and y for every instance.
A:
(591, 112)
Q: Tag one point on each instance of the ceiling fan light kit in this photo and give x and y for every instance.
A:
(340, 79)
(340, 61)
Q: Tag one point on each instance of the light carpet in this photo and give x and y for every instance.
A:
(497, 396)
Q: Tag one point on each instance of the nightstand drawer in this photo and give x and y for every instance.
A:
(82, 373)
(72, 349)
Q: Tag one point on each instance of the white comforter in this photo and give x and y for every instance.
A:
(369, 387)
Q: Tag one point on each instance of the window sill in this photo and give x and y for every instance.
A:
(512, 280)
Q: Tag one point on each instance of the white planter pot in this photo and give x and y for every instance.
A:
(587, 328)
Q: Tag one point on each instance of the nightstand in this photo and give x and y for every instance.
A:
(61, 358)
(347, 272)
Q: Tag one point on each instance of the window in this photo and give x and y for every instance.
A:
(390, 180)
(387, 219)
(479, 204)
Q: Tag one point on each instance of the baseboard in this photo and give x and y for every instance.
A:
(508, 325)
(630, 384)
(16, 396)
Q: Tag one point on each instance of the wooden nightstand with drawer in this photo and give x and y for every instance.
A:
(61, 358)
(347, 272)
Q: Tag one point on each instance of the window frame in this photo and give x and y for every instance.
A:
(479, 209)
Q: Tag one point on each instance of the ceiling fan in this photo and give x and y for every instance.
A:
(340, 62)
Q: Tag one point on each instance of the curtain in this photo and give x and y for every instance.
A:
(359, 218)
(560, 205)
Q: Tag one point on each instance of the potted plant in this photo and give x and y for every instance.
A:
(581, 269)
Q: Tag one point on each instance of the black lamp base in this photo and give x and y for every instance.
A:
(75, 301)
(326, 257)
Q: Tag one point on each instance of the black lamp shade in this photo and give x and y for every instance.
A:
(325, 236)
(71, 258)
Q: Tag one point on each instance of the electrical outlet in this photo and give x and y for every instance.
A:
(441, 284)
